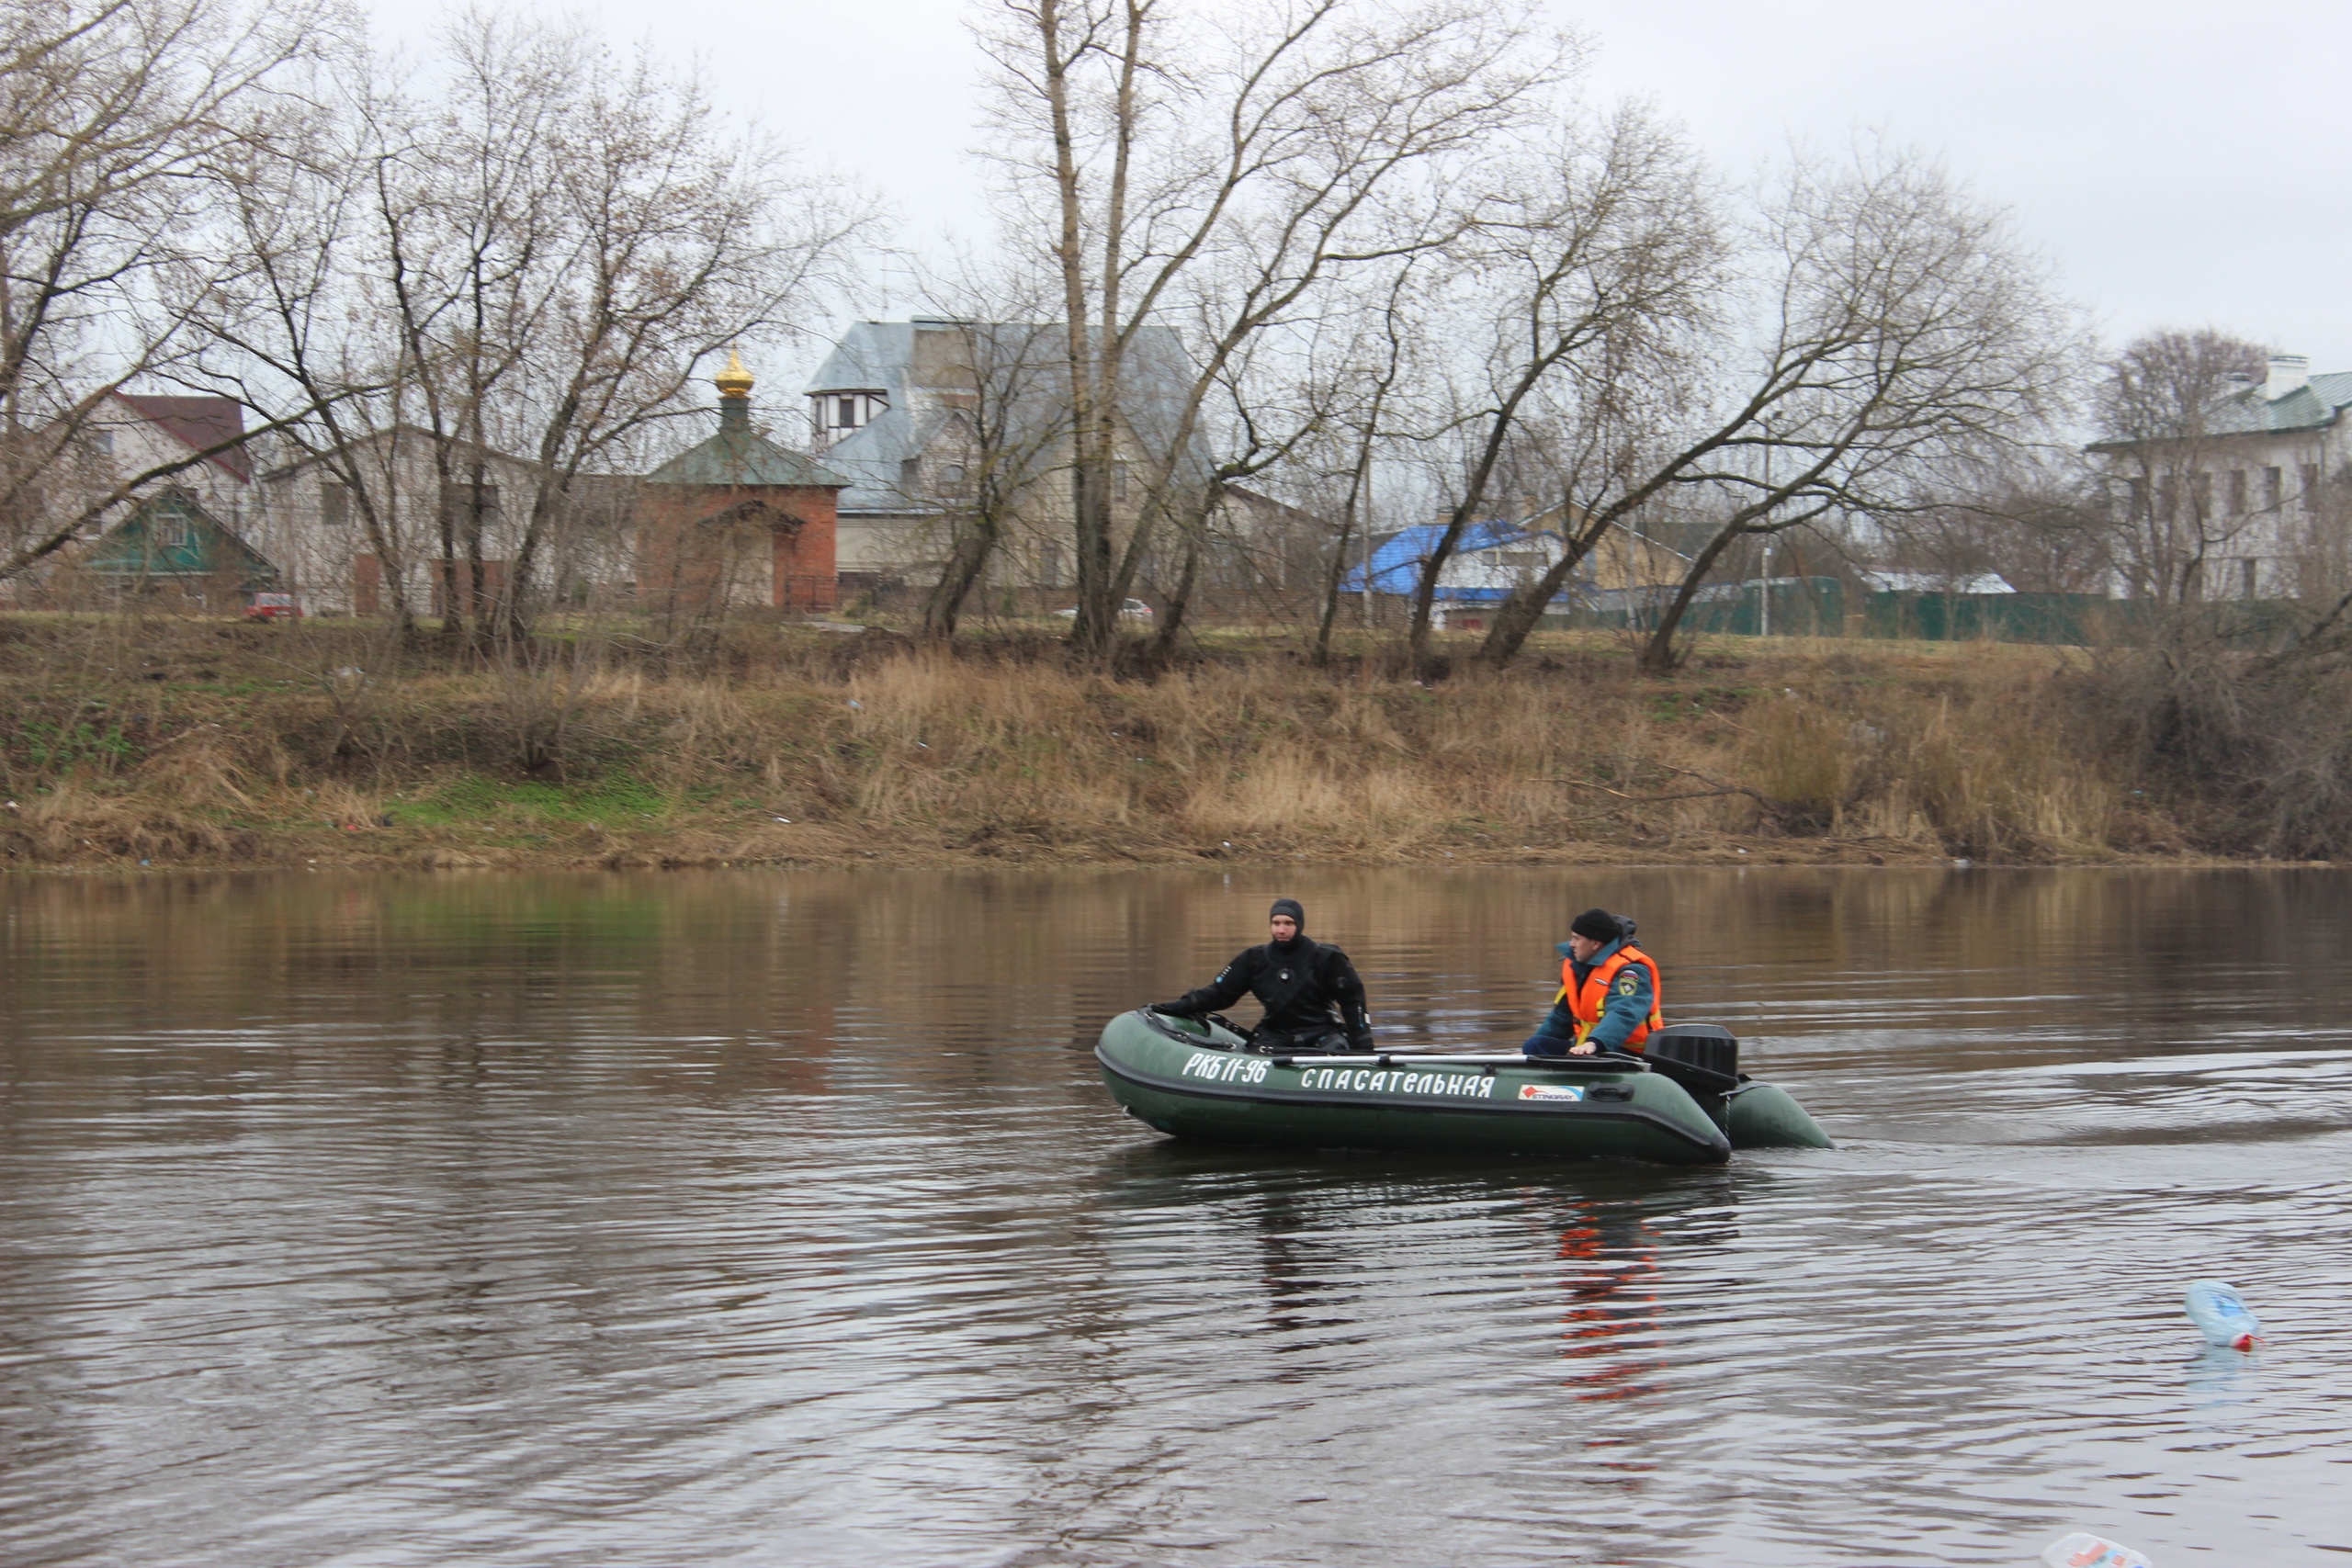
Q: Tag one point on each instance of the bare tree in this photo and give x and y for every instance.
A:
(1904, 336)
(2037, 516)
(1385, 348)
(1008, 441)
(1258, 432)
(514, 275)
(119, 123)
(1276, 146)
(1595, 278)
(1871, 330)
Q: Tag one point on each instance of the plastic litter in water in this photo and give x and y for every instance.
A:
(2221, 1315)
(2083, 1550)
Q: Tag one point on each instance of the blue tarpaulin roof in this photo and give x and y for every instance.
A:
(1397, 566)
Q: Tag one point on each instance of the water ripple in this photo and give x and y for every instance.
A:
(543, 1220)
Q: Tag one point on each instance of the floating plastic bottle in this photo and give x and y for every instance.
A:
(2082, 1550)
(2221, 1315)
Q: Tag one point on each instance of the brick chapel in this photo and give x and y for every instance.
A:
(738, 521)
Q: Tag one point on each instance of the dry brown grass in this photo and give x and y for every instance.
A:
(270, 747)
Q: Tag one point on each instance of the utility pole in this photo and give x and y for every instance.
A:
(1764, 611)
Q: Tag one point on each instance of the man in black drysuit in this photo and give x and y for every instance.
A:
(1309, 989)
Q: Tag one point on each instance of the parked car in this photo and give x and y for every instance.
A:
(274, 607)
(1132, 610)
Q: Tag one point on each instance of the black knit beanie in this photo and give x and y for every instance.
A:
(1289, 907)
(1597, 925)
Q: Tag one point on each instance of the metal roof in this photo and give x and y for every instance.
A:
(2306, 407)
(1398, 564)
(906, 360)
(739, 454)
(2248, 412)
(874, 455)
(196, 423)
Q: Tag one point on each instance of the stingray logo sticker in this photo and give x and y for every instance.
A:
(1549, 1091)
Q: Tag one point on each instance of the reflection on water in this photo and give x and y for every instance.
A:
(1610, 1277)
(782, 1219)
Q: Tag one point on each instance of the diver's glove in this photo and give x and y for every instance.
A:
(1173, 1010)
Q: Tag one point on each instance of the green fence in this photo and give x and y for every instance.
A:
(1815, 606)
(1998, 617)
(2076, 619)
(1800, 606)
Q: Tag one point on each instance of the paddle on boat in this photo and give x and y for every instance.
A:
(1684, 1102)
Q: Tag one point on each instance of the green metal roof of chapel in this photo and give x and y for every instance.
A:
(739, 454)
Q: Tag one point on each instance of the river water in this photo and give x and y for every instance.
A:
(783, 1219)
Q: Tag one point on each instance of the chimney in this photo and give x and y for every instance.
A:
(2289, 373)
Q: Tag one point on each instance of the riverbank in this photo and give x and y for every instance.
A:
(157, 743)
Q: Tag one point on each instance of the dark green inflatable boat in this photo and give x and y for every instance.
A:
(1684, 1102)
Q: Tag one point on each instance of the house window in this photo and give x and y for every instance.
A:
(2310, 487)
(910, 474)
(952, 474)
(169, 531)
(1118, 481)
(335, 505)
(102, 443)
(2248, 574)
(2200, 495)
(2168, 498)
(1049, 566)
(844, 413)
(2237, 492)
(2271, 485)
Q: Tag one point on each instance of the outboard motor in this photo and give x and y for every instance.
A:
(1702, 1057)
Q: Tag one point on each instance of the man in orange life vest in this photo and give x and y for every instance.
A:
(1609, 991)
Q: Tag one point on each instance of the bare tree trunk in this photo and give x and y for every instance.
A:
(1658, 656)
(1521, 613)
(1337, 573)
(1143, 209)
(1089, 469)
(1178, 601)
(967, 564)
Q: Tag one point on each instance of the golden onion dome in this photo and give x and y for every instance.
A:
(734, 381)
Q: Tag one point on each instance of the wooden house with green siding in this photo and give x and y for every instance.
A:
(171, 543)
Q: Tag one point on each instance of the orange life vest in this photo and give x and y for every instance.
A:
(1585, 1002)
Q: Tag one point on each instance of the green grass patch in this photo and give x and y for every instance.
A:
(602, 802)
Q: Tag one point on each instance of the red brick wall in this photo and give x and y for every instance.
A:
(687, 564)
(806, 578)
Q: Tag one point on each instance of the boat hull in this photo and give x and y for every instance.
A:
(1194, 1081)
(1765, 1116)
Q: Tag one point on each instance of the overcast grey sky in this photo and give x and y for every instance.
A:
(2182, 165)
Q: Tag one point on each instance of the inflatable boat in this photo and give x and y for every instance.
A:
(1683, 1101)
